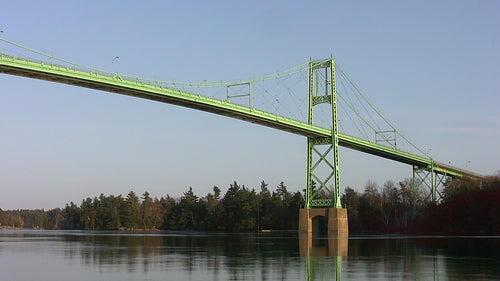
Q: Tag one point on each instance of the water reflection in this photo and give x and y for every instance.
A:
(196, 255)
(401, 258)
(62, 255)
(312, 247)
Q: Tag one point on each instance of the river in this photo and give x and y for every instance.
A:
(84, 255)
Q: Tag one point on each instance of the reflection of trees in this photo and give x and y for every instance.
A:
(273, 255)
(403, 258)
(471, 258)
(238, 255)
(398, 259)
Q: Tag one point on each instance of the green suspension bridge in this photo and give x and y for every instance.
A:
(315, 100)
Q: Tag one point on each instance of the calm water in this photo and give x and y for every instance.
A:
(80, 255)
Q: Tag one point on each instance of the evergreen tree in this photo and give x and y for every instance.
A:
(87, 214)
(187, 206)
(158, 214)
(265, 207)
(215, 210)
(296, 202)
(284, 196)
(71, 215)
(131, 211)
(276, 211)
(107, 212)
(240, 205)
(51, 214)
(147, 211)
(169, 206)
(350, 199)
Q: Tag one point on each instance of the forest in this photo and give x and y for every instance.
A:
(467, 207)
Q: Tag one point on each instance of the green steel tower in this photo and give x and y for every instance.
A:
(322, 90)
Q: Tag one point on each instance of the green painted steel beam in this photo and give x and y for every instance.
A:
(139, 89)
(383, 151)
(94, 80)
(449, 170)
(335, 134)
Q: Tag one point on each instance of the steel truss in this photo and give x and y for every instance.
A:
(430, 178)
(322, 153)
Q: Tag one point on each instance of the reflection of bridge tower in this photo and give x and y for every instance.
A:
(320, 153)
(311, 248)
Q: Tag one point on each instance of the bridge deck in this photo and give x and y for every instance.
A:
(88, 79)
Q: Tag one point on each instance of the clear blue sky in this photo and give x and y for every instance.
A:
(432, 67)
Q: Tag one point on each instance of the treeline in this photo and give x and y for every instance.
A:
(383, 209)
(239, 209)
(376, 210)
(467, 207)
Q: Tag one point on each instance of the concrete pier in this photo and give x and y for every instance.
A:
(337, 221)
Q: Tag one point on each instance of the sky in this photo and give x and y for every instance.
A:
(431, 67)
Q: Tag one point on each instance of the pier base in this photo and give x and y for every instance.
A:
(337, 221)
